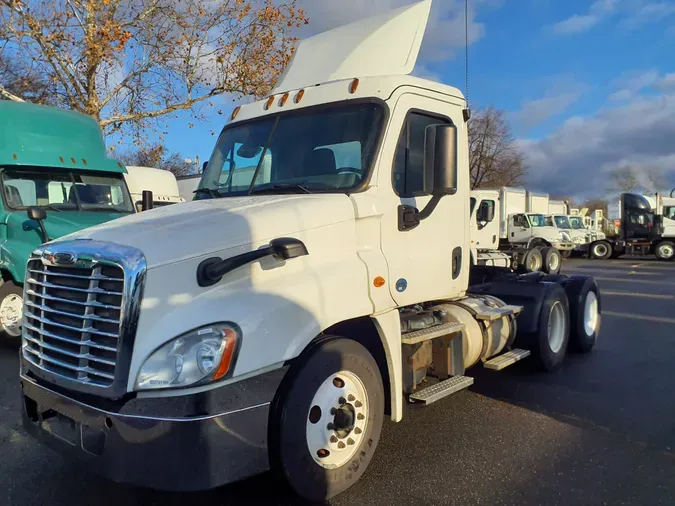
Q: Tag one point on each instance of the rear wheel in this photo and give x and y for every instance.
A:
(11, 309)
(327, 419)
(551, 339)
(531, 261)
(584, 299)
(552, 260)
(665, 250)
(601, 250)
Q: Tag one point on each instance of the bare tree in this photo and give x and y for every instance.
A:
(129, 62)
(494, 158)
(595, 204)
(156, 156)
(19, 82)
(633, 179)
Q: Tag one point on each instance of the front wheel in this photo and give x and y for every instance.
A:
(601, 250)
(327, 419)
(11, 309)
(665, 250)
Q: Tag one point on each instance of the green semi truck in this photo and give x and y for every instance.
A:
(55, 179)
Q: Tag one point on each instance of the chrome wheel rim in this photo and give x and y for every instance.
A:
(591, 314)
(600, 250)
(556, 327)
(337, 420)
(666, 251)
(11, 314)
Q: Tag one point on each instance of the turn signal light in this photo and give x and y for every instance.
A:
(269, 102)
(354, 85)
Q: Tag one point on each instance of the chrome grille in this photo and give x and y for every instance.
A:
(73, 318)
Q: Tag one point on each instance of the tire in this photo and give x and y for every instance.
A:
(566, 253)
(601, 250)
(551, 260)
(665, 250)
(334, 373)
(531, 261)
(585, 312)
(549, 345)
(11, 310)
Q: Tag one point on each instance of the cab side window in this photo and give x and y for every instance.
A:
(409, 159)
(519, 220)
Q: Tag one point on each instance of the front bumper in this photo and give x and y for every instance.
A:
(563, 246)
(162, 452)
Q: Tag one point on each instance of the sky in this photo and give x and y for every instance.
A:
(587, 85)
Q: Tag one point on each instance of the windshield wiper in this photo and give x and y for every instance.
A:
(282, 187)
(209, 191)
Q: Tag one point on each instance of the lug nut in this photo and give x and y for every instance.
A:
(342, 400)
(350, 441)
(351, 398)
(357, 430)
(341, 445)
(360, 416)
(333, 439)
(358, 404)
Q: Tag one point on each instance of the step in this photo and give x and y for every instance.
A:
(444, 329)
(442, 389)
(498, 312)
(506, 359)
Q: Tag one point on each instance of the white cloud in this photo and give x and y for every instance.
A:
(575, 24)
(633, 83)
(444, 36)
(575, 158)
(537, 111)
(631, 14)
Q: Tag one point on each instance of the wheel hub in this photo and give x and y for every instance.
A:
(11, 314)
(337, 420)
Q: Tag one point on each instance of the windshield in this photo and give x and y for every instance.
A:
(577, 222)
(537, 220)
(317, 150)
(63, 190)
(562, 222)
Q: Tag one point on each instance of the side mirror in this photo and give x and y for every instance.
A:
(486, 212)
(440, 173)
(146, 200)
(440, 160)
(204, 165)
(36, 213)
(286, 248)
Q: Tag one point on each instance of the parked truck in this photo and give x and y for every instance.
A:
(301, 306)
(162, 184)
(504, 233)
(647, 227)
(55, 179)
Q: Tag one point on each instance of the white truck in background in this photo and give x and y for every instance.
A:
(509, 229)
(162, 184)
(187, 186)
(296, 309)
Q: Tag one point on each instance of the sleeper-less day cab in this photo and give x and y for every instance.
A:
(321, 280)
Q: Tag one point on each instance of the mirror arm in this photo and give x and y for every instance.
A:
(43, 230)
(429, 208)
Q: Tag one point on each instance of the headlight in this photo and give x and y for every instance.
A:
(200, 356)
(565, 236)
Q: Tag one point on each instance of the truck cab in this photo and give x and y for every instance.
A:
(52, 161)
(322, 279)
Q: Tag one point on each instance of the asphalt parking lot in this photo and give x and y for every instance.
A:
(601, 431)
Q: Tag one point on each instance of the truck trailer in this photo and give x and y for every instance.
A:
(300, 307)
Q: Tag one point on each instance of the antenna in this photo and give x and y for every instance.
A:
(467, 111)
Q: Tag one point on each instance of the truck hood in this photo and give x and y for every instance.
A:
(183, 231)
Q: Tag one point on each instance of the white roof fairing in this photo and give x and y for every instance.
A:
(387, 44)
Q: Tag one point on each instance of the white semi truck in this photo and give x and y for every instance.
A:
(299, 308)
(509, 229)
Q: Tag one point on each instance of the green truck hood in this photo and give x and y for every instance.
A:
(22, 236)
